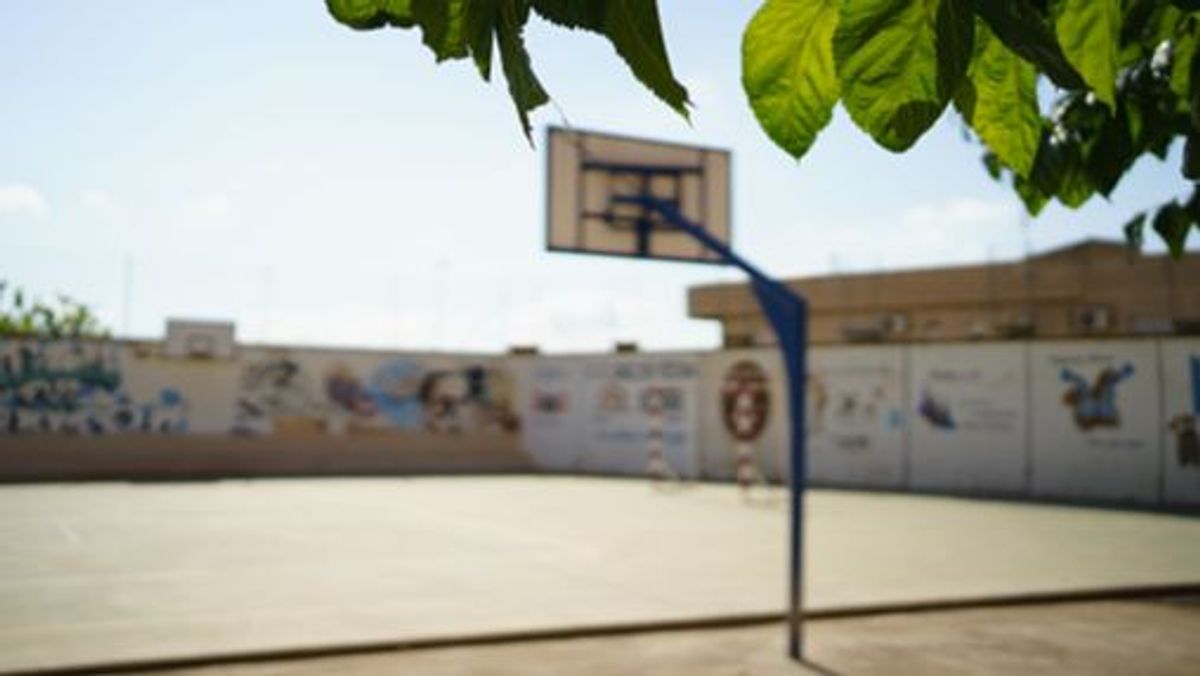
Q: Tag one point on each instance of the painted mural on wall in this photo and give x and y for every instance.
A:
(78, 387)
(968, 399)
(1180, 415)
(848, 405)
(1096, 415)
(745, 400)
(278, 394)
(970, 419)
(622, 397)
(1183, 424)
(1093, 402)
(855, 417)
(1090, 386)
(551, 416)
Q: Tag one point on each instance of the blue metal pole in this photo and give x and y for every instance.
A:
(787, 312)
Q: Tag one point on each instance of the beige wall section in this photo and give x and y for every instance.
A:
(43, 457)
(1087, 290)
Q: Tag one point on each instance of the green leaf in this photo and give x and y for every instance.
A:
(1110, 153)
(1135, 235)
(442, 26)
(1059, 172)
(1025, 30)
(371, 14)
(788, 71)
(1172, 223)
(1183, 50)
(479, 27)
(1191, 157)
(1090, 33)
(523, 85)
(1031, 196)
(586, 14)
(634, 29)
(1000, 102)
(900, 61)
(993, 166)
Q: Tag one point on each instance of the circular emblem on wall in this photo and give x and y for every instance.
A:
(745, 400)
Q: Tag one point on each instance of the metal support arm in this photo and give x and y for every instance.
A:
(788, 313)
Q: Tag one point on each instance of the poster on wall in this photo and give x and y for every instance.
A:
(81, 387)
(551, 413)
(294, 394)
(1181, 410)
(1096, 420)
(630, 403)
(968, 414)
(855, 418)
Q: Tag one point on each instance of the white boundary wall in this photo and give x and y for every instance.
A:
(968, 418)
(1110, 420)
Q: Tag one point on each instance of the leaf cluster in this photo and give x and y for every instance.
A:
(476, 29)
(64, 318)
(1123, 73)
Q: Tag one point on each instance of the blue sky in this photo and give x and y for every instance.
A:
(256, 161)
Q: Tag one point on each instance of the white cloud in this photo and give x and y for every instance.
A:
(97, 200)
(959, 230)
(17, 199)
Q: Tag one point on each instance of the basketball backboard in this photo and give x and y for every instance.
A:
(589, 174)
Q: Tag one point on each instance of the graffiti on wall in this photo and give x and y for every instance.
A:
(76, 387)
(278, 394)
(1183, 425)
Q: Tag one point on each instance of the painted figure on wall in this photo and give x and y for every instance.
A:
(276, 395)
(613, 399)
(347, 393)
(745, 410)
(1183, 426)
(1094, 404)
(745, 401)
(547, 402)
(935, 411)
(76, 387)
(473, 398)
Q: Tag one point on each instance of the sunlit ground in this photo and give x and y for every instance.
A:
(100, 572)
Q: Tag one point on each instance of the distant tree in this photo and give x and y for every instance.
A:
(1124, 73)
(64, 318)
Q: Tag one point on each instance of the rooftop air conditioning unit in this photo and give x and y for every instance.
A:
(894, 323)
(859, 331)
(199, 340)
(1093, 319)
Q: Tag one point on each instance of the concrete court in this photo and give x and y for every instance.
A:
(113, 572)
(1141, 637)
